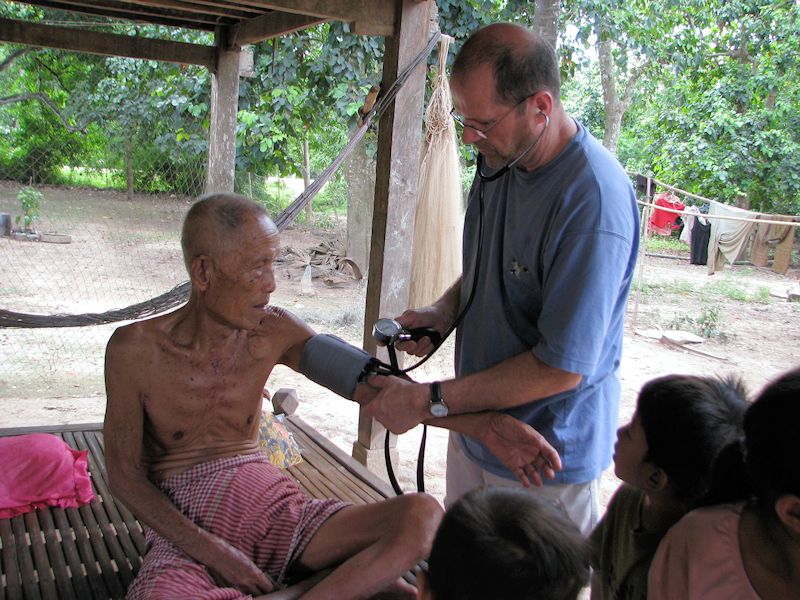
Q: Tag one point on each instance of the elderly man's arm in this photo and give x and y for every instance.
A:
(123, 434)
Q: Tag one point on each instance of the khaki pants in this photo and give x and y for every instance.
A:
(579, 501)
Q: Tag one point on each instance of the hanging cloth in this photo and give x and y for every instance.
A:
(436, 250)
(663, 222)
(727, 237)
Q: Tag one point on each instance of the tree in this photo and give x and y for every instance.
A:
(723, 117)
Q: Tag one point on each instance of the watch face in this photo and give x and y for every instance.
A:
(439, 409)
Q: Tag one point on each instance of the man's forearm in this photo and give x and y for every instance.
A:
(401, 404)
(156, 511)
(515, 381)
(447, 306)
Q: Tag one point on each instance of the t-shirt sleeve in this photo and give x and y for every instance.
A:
(583, 292)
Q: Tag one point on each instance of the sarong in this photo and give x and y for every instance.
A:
(247, 502)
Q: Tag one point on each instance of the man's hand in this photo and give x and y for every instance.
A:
(399, 405)
(521, 448)
(364, 393)
(420, 317)
(232, 568)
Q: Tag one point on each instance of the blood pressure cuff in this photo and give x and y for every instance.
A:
(335, 364)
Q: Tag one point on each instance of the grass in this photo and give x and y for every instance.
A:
(666, 245)
(95, 178)
(720, 288)
(680, 287)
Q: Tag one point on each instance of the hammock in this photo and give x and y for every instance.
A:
(179, 294)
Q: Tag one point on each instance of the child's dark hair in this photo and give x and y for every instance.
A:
(765, 466)
(687, 421)
(507, 543)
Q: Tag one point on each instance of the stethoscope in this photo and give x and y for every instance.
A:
(498, 174)
(393, 369)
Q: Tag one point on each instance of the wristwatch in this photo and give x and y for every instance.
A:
(437, 407)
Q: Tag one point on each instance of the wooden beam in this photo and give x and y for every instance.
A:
(367, 17)
(170, 19)
(222, 126)
(269, 26)
(108, 44)
(209, 7)
(396, 183)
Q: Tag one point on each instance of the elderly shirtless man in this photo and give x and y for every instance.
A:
(181, 435)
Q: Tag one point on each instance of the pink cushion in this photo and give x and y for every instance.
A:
(38, 470)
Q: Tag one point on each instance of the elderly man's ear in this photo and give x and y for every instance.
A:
(201, 272)
(788, 510)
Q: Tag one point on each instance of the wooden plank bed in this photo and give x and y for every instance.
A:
(95, 551)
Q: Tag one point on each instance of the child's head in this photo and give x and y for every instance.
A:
(506, 543)
(772, 447)
(681, 424)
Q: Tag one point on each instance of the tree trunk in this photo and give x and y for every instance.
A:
(614, 105)
(307, 176)
(545, 20)
(359, 170)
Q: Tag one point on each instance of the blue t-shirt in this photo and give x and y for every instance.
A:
(557, 259)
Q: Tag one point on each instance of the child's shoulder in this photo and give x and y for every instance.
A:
(711, 523)
(622, 510)
(625, 498)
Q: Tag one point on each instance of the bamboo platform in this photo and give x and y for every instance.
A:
(96, 550)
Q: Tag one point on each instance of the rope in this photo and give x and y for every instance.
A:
(179, 294)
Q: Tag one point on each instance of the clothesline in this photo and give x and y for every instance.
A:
(794, 223)
(672, 188)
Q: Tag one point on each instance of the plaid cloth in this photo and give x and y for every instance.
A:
(250, 504)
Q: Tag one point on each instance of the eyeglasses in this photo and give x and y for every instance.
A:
(484, 133)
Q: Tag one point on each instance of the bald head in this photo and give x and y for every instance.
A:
(522, 61)
(213, 222)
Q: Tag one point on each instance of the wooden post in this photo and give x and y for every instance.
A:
(644, 235)
(224, 107)
(399, 151)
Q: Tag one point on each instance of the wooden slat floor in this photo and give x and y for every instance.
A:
(95, 551)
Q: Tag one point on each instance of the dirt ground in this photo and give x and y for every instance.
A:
(754, 327)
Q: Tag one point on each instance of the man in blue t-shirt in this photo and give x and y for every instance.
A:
(550, 244)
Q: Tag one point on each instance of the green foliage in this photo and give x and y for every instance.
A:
(273, 194)
(583, 98)
(31, 200)
(714, 98)
(722, 119)
(707, 324)
(333, 197)
(310, 83)
(467, 177)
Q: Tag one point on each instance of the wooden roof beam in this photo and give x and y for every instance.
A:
(210, 7)
(272, 25)
(366, 17)
(108, 44)
(161, 18)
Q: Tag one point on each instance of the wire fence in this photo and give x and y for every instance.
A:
(80, 235)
